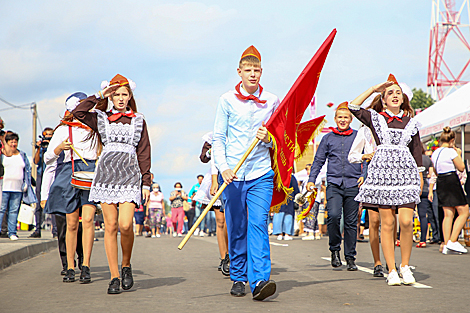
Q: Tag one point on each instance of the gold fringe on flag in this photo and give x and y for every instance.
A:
(314, 134)
(305, 213)
(278, 179)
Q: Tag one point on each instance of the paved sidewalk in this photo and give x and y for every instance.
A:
(12, 252)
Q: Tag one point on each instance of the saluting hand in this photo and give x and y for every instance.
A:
(109, 91)
(381, 87)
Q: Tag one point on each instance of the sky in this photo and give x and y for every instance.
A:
(183, 55)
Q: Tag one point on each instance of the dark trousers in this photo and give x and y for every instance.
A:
(341, 201)
(38, 211)
(423, 208)
(61, 222)
(436, 221)
(190, 215)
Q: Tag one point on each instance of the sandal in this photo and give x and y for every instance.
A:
(397, 243)
(421, 245)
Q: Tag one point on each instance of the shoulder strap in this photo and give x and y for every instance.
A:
(437, 158)
(71, 150)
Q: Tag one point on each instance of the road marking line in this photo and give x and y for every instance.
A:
(278, 244)
(368, 270)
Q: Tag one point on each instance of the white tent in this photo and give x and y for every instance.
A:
(453, 111)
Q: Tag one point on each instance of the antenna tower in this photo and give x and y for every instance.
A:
(445, 72)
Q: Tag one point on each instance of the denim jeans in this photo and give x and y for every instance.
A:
(11, 201)
(198, 213)
(283, 223)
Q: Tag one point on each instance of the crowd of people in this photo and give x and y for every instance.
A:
(98, 158)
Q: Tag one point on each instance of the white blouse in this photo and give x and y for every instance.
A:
(445, 160)
(364, 141)
(87, 149)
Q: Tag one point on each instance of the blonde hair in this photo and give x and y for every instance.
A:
(346, 110)
(249, 60)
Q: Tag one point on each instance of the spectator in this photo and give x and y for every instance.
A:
(425, 205)
(450, 193)
(5, 150)
(283, 222)
(139, 216)
(156, 210)
(192, 210)
(41, 147)
(16, 184)
(177, 212)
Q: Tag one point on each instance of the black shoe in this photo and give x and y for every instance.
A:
(264, 289)
(238, 289)
(69, 276)
(85, 276)
(378, 271)
(35, 235)
(114, 285)
(226, 266)
(127, 280)
(63, 272)
(220, 265)
(335, 259)
(351, 265)
(3, 235)
(54, 236)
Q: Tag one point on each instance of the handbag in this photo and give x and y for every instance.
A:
(186, 206)
(26, 214)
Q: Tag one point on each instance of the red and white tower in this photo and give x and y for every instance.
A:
(446, 68)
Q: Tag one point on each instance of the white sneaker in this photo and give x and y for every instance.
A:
(153, 236)
(202, 234)
(279, 237)
(444, 250)
(309, 237)
(317, 236)
(393, 279)
(13, 237)
(174, 234)
(287, 237)
(196, 232)
(456, 246)
(158, 236)
(407, 275)
(180, 235)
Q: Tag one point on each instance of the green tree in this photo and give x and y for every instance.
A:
(421, 100)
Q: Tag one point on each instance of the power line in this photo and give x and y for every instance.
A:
(23, 106)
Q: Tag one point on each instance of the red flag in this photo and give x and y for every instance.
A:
(306, 131)
(284, 123)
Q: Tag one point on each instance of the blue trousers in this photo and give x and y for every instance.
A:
(11, 202)
(198, 213)
(283, 223)
(247, 205)
(341, 203)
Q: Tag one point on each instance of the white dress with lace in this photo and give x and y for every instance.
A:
(392, 175)
(118, 177)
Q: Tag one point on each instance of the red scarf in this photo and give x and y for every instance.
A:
(390, 118)
(250, 97)
(116, 116)
(76, 124)
(342, 133)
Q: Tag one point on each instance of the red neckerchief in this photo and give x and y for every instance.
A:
(116, 116)
(76, 124)
(390, 118)
(250, 97)
(342, 133)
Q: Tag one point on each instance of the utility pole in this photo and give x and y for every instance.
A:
(35, 135)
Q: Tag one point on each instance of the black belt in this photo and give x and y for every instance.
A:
(446, 174)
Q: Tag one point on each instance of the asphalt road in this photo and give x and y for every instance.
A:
(169, 280)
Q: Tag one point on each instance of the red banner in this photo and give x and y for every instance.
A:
(283, 124)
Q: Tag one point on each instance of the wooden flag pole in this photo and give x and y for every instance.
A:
(217, 195)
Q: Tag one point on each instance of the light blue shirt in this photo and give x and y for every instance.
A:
(235, 128)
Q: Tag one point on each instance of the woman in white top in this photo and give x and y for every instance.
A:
(156, 210)
(63, 197)
(450, 194)
(16, 184)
